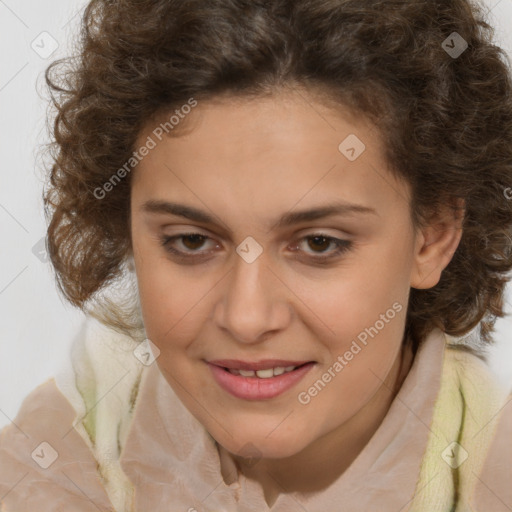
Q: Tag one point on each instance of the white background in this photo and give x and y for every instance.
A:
(37, 326)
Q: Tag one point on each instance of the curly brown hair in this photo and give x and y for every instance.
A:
(445, 118)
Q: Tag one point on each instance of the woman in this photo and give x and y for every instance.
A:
(304, 205)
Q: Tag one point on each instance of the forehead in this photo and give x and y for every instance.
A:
(285, 149)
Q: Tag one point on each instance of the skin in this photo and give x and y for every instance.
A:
(246, 163)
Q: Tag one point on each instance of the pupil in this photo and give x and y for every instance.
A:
(197, 238)
(316, 238)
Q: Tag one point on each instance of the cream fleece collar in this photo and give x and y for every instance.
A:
(447, 398)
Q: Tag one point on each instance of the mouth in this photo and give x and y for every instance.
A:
(265, 364)
(260, 380)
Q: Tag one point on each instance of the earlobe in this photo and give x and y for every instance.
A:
(435, 246)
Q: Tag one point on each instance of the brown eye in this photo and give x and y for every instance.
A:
(319, 242)
(195, 241)
(186, 245)
(188, 248)
(317, 248)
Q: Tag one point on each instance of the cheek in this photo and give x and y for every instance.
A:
(354, 297)
(365, 310)
(165, 309)
(174, 304)
(360, 359)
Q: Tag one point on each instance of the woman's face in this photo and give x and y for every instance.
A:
(270, 272)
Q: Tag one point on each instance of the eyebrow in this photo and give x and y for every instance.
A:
(288, 219)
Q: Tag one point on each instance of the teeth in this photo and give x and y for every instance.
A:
(263, 374)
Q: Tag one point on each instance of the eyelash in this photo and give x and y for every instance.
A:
(342, 246)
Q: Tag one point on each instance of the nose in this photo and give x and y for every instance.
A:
(253, 303)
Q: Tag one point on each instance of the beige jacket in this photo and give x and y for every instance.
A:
(109, 434)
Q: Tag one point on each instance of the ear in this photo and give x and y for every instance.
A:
(436, 244)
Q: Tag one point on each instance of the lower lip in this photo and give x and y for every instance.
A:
(254, 388)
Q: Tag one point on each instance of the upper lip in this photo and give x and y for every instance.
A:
(237, 364)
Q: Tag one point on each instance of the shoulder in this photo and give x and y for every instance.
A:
(44, 463)
(486, 399)
(488, 407)
(493, 487)
(475, 378)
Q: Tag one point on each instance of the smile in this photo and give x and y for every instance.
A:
(262, 374)
(258, 384)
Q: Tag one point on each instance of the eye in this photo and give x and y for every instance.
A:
(323, 242)
(191, 244)
(190, 241)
